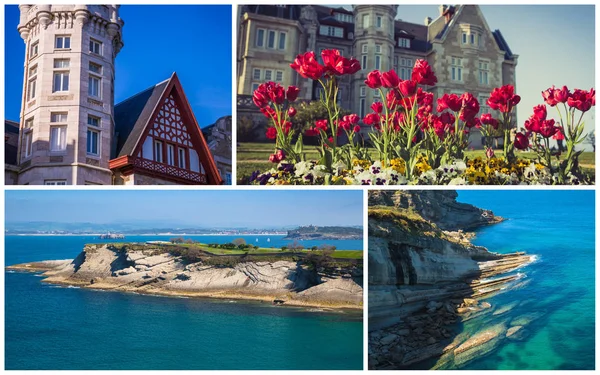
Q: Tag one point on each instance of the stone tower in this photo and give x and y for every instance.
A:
(66, 121)
(373, 46)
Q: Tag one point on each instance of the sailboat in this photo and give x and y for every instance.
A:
(268, 240)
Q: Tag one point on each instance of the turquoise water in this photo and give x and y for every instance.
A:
(51, 327)
(557, 226)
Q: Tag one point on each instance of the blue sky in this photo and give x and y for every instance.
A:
(206, 208)
(194, 41)
(555, 44)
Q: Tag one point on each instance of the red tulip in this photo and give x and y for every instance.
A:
(321, 124)
(503, 99)
(582, 100)
(547, 128)
(280, 155)
(451, 101)
(307, 66)
(292, 93)
(423, 74)
(521, 141)
(548, 96)
(372, 119)
(336, 64)
(291, 112)
(373, 79)
(389, 79)
(271, 133)
(408, 88)
(470, 107)
(356, 129)
(487, 119)
(377, 107)
(533, 124)
(539, 112)
(562, 95)
(392, 99)
(353, 118)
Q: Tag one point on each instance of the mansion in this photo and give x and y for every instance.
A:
(70, 131)
(464, 53)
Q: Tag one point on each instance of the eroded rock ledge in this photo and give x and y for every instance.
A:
(426, 279)
(142, 269)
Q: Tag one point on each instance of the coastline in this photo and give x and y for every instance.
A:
(45, 269)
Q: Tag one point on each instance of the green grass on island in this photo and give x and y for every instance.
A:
(253, 156)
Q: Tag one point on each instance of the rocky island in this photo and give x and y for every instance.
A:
(426, 280)
(319, 279)
(311, 232)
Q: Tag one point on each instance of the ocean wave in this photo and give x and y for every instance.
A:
(73, 287)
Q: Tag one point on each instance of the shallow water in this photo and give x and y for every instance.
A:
(51, 327)
(558, 227)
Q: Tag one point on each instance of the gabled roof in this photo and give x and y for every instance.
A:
(417, 33)
(503, 45)
(134, 118)
(132, 115)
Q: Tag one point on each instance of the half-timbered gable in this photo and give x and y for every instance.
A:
(158, 140)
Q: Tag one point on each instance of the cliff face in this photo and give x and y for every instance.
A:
(437, 206)
(424, 273)
(104, 267)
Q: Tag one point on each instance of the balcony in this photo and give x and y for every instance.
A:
(169, 170)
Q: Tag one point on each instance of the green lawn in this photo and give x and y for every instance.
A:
(340, 254)
(254, 156)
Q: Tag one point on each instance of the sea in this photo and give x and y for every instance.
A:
(67, 328)
(558, 227)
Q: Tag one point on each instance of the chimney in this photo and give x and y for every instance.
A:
(428, 21)
(448, 13)
(442, 9)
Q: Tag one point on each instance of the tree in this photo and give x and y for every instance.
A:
(239, 241)
(295, 246)
(189, 241)
(176, 240)
(245, 129)
(591, 139)
(314, 248)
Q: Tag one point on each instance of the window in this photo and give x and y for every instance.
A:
(405, 71)
(58, 117)
(260, 37)
(256, 74)
(170, 154)
(268, 75)
(95, 47)
(93, 120)
(365, 48)
(282, 37)
(378, 62)
(61, 63)
(228, 178)
(337, 32)
(31, 88)
(363, 106)
(29, 123)
(94, 86)
(363, 91)
(58, 138)
(279, 76)
(456, 69)
(33, 51)
(472, 39)
(377, 48)
(158, 151)
(378, 21)
(479, 40)
(181, 158)
(255, 86)
(271, 39)
(95, 68)
(403, 42)
(33, 70)
(464, 38)
(366, 20)
(62, 41)
(483, 72)
(342, 17)
(55, 182)
(364, 62)
(93, 141)
(28, 141)
(61, 82)
(396, 60)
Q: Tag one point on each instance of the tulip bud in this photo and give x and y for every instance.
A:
(292, 112)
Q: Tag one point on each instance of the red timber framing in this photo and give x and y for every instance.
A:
(174, 131)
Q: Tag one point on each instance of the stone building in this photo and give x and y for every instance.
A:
(71, 132)
(218, 136)
(464, 52)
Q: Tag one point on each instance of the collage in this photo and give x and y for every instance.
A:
(249, 186)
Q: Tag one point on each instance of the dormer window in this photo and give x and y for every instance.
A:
(471, 36)
(403, 42)
(343, 17)
(336, 32)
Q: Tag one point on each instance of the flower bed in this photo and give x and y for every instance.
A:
(415, 142)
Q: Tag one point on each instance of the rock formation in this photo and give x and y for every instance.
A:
(426, 278)
(146, 270)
